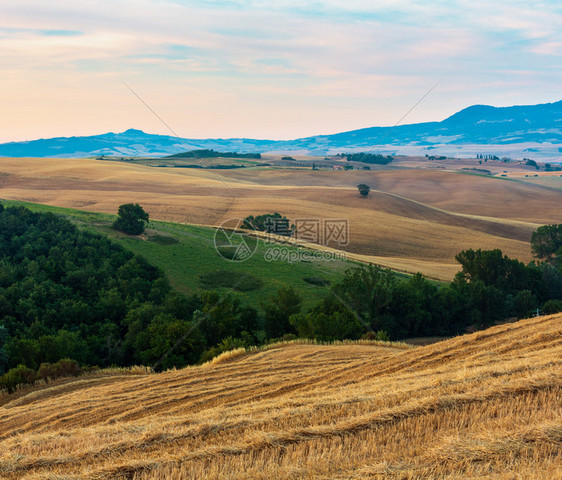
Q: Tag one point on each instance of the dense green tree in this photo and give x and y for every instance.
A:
(137, 338)
(495, 269)
(199, 154)
(552, 306)
(225, 316)
(64, 344)
(372, 158)
(278, 310)
(3, 353)
(337, 325)
(270, 222)
(525, 303)
(531, 163)
(364, 190)
(552, 279)
(131, 219)
(368, 291)
(491, 287)
(485, 303)
(414, 302)
(163, 335)
(449, 311)
(546, 243)
(66, 292)
(24, 351)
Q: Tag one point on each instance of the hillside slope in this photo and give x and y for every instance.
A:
(413, 220)
(487, 404)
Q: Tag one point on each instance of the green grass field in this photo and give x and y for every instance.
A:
(187, 255)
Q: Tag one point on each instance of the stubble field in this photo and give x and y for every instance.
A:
(487, 405)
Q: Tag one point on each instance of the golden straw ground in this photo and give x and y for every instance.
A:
(482, 405)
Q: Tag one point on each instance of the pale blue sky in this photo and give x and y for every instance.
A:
(267, 69)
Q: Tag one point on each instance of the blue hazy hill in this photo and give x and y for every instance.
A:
(478, 124)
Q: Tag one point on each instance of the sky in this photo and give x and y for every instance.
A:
(277, 69)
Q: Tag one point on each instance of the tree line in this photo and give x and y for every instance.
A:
(70, 293)
(214, 154)
(372, 158)
(72, 299)
(490, 287)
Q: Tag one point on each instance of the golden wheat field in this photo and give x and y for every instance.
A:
(485, 405)
(413, 220)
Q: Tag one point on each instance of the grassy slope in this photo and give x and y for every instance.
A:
(194, 254)
(415, 219)
(486, 405)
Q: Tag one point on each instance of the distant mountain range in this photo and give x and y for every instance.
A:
(519, 131)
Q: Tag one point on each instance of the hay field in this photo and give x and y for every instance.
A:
(486, 405)
(416, 219)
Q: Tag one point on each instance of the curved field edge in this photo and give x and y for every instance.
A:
(236, 353)
(192, 255)
(488, 404)
(414, 219)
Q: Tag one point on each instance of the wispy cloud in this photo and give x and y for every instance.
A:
(268, 69)
(60, 33)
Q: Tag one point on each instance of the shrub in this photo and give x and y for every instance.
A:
(20, 375)
(46, 371)
(380, 335)
(66, 368)
(552, 306)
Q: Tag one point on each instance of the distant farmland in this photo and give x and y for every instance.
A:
(413, 220)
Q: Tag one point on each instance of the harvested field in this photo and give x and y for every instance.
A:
(487, 404)
(414, 220)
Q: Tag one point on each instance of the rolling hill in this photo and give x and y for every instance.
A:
(413, 220)
(485, 405)
(186, 254)
(530, 130)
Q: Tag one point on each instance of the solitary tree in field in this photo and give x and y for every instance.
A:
(131, 220)
(363, 189)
